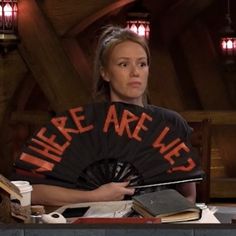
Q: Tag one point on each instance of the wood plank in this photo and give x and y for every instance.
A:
(12, 72)
(201, 58)
(34, 117)
(67, 14)
(86, 21)
(217, 117)
(179, 15)
(47, 60)
(188, 89)
(25, 90)
(79, 61)
(164, 87)
(224, 137)
(223, 188)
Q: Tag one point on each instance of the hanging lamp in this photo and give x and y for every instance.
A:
(138, 19)
(228, 39)
(8, 24)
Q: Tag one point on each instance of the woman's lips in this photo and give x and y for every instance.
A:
(135, 84)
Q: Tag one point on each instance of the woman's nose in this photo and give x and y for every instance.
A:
(134, 71)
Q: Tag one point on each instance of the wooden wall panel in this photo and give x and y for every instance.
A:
(79, 60)
(67, 14)
(188, 89)
(12, 72)
(217, 117)
(104, 11)
(202, 64)
(225, 138)
(179, 16)
(24, 91)
(47, 60)
(163, 83)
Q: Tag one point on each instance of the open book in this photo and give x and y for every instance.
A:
(168, 205)
(110, 209)
(111, 212)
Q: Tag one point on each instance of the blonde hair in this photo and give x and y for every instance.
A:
(111, 36)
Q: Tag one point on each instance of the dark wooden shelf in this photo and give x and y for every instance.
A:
(223, 187)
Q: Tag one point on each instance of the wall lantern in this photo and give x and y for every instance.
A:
(138, 20)
(8, 24)
(228, 39)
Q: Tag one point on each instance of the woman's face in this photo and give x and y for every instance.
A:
(127, 72)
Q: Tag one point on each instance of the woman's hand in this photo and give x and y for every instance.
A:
(58, 196)
(112, 191)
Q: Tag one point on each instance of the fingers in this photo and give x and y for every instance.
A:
(122, 184)
(129, 191)
(126, 190)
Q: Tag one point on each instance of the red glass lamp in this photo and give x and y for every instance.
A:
(228, 39)
(8, 24)
(138, 20)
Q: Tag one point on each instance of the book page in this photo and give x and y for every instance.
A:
(111, 209)
(115, 210)
(208, 217)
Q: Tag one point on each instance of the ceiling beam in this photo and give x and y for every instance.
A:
(45, 57)
(204, 71)
(83, 24)
(179, 15)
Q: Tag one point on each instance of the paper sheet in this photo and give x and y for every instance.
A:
(103, 209)
(208, 217)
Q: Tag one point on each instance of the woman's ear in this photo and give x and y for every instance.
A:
(104, 75)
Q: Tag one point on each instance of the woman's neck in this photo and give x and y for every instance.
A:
(137, 102)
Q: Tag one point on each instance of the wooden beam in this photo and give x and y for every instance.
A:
(217, 117)
(34, 117)
(164, 87)
(79, 27)
(25, 90)
(79, 60)
(12, 72)
(179, 15)
(65, 14)
(188, 89)
(201, 59)
(47, 60)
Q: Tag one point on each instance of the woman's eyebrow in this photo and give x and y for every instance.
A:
(123, 58)
(142, 58)
(126, 58)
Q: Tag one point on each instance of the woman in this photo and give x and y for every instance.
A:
(121, 75)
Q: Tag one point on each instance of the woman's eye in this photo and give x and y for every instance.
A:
(123, 64)
(143, 64)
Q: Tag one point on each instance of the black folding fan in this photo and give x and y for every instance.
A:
(91, 145)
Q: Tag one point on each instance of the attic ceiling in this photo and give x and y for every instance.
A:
(175, 25)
